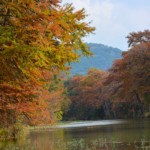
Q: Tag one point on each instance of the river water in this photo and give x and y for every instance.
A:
(87, 135)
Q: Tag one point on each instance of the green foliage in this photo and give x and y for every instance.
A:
(17, 131)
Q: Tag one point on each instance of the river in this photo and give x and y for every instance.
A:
(87, 135)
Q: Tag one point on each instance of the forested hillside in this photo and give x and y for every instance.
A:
(102, 59)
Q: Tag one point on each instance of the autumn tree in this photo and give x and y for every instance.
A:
(85, 95)
(37, 40)
(129, 77)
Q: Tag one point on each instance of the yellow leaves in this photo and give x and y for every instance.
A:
(36, 38)
(34, 29)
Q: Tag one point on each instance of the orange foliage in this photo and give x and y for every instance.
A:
(129, 77)
(30, 102)
(86, 90)
(37, 40)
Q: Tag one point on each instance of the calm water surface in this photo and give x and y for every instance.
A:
(88, 135)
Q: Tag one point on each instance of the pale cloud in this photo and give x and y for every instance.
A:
(113, 20)
(97, 10)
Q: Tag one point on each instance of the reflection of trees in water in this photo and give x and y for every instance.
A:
(130, 135)
(78, 144)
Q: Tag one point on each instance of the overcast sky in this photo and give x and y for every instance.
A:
(114, 19)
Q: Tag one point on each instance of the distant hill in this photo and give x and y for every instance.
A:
(102, 59)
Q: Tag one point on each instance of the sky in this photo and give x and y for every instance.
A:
(114, 19)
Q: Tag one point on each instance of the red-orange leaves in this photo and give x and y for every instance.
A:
(33, 103)
(85, 94)
(138, 38)
(129, 77)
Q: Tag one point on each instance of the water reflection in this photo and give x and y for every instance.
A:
(122, 135)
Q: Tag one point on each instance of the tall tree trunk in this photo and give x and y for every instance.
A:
(139, 103)
(107, 109)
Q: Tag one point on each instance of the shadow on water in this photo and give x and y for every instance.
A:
(95, 135)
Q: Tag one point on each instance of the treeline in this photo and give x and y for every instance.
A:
(121, 92)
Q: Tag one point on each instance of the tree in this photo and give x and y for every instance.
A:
(85, 95)
(37, 40)
(40, 34)
(129, 77)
